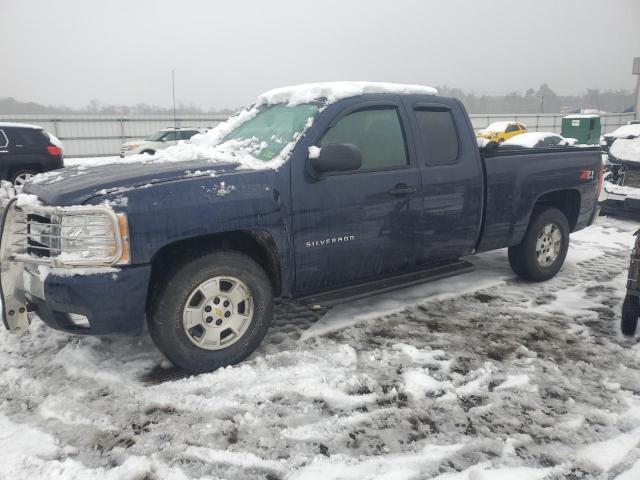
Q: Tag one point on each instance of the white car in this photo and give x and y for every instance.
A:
(539, 140)
(629, 131)
(621, 191)
(158, 141)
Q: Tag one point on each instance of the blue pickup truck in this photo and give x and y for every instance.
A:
(317, 193)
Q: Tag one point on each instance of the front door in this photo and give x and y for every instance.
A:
(354, 226)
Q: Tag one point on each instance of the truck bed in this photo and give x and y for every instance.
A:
(516, 178)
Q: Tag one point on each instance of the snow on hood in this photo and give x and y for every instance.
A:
(334, 91)
(626, 149)
(496, 127)
(625, 131)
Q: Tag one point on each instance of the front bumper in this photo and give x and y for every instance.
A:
(89, 304)
(83, 300)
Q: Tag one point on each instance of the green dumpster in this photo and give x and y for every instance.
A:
(584, 128)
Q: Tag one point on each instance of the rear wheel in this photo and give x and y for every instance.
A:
(20, 177)
(544, 247)
(630, 315)
(212, 312)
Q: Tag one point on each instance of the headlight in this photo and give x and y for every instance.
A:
(93, 238)
(131, 147)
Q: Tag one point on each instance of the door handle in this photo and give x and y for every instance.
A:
(402, 189)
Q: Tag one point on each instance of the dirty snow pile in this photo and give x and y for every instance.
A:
(477, 377)
(496, 127)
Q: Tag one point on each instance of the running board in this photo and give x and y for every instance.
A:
(389, 284)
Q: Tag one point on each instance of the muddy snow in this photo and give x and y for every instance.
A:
(478, 377)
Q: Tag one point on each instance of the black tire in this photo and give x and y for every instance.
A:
(16, 175)
(500, 141)
(148, 152)
(166, 312)
(523, 258)
(630, 315)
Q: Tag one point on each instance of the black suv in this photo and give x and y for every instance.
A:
(26, 150)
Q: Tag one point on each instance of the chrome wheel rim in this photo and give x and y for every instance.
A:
(548, 245)
(218, 312)
(22, 178)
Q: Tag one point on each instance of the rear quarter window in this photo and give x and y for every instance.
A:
(187, 134)
(439, 137)
(30, 137)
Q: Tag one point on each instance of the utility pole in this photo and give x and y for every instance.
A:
(636, 72)
(173, 92)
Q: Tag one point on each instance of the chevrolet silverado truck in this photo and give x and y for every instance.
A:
(316, 193)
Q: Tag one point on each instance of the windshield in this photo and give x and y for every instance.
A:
(274, 126)
(155, 137)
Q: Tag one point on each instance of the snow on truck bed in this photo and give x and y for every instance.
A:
(477, 377)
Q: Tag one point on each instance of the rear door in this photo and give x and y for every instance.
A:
(27, 148)
(451, 178)
(354, 226)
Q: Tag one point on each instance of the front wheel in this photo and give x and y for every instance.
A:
(212, 312)
(630, 315)
(544, 247)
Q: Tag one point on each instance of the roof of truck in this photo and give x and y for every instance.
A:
(19, 125)
(334, 91)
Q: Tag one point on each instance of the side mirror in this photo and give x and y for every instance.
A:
(337, 157)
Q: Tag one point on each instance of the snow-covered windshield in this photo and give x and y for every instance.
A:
(626, 131)
(155, 137)
(274, 126)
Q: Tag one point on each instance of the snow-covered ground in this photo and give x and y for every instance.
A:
(477, 377)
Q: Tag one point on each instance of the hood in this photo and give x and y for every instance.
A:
(76, 185)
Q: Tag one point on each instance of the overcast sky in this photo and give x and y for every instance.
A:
(226, 52)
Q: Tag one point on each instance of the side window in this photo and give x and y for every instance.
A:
(171, 136)
(439, 137)
(29, 137)
(511, 128)
(4, 141)
(376, 132)
(187, 134)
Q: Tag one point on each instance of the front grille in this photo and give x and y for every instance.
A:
(631, 178)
